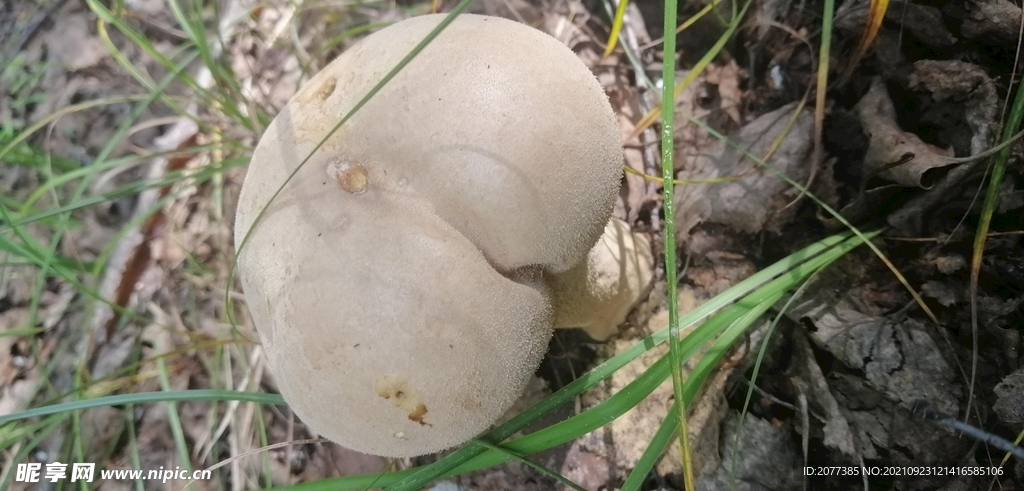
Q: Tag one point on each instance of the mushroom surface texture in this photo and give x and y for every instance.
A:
(597, 294)
(397, 280)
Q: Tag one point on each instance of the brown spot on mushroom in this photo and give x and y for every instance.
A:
(418, 414)
(469, 403)
(403, 397)
(350, 176)
(326, 89)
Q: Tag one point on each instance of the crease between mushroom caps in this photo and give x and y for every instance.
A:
(397, 280)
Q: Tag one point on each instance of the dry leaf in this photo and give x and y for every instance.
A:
(990, 21)
(898, 355)
(889, 144)
(962, 83)
(766, 458)
(625, 100)
(811, 381)
(946, 293)
(924, 22)
(757, 200)
(1010, 405)
(74, 47)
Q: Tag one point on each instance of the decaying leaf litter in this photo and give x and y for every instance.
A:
(842, 369)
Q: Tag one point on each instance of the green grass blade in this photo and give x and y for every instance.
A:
(27, 449)
(174, 420)
(757, 368)
(657, 446)
(828, 209)
(588, 380)
(461, 7)
(995, 182)
(348, 33)
(694, 72)
(668, 175)
(539, 468)
(822, 80)
(47, 120)
(207, 97)
(130, 189)
(609, 409)
(144, 397)
(620, 14)
(81, 172)
(745, 319)
(191, 22)
(9, 435)
(670, 424)
(65, 219)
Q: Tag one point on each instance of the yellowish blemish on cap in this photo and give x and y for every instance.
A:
(403, 397)
(326, 89)
(350, 176)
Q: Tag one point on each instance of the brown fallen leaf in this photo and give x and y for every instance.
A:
(961, 83)
(948, 82)
(764, 457)
(588, 469)
(626, 100)
(1010, 403)
(756, 198)
(989, 21)
(134, 255)
(946, 293)
(923, 21)
(809, 379)
(889, 144)
(715, 98)
(897, 354)
(73, 46)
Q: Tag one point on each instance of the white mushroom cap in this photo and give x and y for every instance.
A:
(597, 294)
(488, 102)
(396, 281)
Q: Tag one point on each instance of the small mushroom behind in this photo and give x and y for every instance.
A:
(597, 294)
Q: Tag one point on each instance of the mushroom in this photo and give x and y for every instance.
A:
(398, 279)
(597, 294)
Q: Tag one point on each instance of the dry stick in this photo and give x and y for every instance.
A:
(805, 422)
(816, 156)
(952, 179)
(925, 410)
(140, 257)
(936, 239)
(647, 138)
(227, 461)
(987, 153)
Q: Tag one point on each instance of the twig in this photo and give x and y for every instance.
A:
(925, 410)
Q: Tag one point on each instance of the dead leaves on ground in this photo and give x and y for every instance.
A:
(751, 197)
(895, 154)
